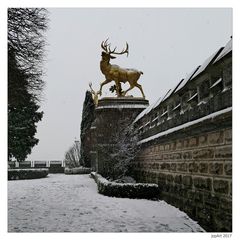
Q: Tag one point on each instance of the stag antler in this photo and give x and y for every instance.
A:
(122, 52)
(107, 48)
(104, 45)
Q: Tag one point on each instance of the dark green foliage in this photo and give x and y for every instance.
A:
(77, 170)
(22, 113)
(113, 89)
(88, 117)
(15, 174)
(125, 190)
(21, 130)
(25, 56)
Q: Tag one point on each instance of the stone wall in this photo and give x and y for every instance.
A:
(193, 168)
(186, 143)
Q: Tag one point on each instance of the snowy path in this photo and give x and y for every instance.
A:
(70, 203)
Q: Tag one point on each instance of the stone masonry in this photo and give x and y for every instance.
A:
(194, 173)
(186, 143)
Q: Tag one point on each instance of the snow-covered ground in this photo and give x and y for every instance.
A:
(70, 203)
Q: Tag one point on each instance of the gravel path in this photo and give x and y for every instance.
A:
(70, 203)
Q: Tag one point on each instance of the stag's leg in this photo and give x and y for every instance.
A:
(140, 87)
(102, 84)
(125, 92)
(118, 89)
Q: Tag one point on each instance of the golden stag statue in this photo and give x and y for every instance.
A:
(94, 94)
(117, 74)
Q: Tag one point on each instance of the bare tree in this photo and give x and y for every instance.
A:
(119, 156)
(73, 156)
(26, 27)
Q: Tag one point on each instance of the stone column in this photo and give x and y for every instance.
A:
(110, 114)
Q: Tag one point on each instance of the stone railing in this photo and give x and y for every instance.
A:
(53, 166)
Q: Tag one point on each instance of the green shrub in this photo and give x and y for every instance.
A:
(15, 174)
(77, 170)
(125, 190)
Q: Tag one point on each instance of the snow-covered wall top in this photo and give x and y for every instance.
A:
(191, 77)
(206, 90)
(225, 51)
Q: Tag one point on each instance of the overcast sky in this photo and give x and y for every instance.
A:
(166, 44)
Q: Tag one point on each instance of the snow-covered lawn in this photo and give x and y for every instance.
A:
(70, 203)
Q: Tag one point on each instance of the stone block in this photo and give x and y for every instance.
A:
(203, 167)
(161, 178)
(187, 180)
(166, 156)
(211, 201)
(221, 186)
(165, 166)
(159, 156)
(203, 183)
(215, 138)
(222, 221)
(185, 143)
(182, 167)
(203, 140)
(155, 166)
(193, 167)
(161, 147)
(174, 188)
(216, 168)
(178, 179)
(166, 147)
(223, 152)
(173, 167)
(179, 144)
(187, 155)
(198, 196)
(191, 194)
(172, 145)
(204, 215)
(228, 136)
(169, 178)
(193, 142)
(203, 154)
(176, 156)
(226, 204)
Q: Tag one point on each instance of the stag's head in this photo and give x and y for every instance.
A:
(107, 54)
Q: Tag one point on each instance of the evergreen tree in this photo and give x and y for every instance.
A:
(88, 117)
(25, 55)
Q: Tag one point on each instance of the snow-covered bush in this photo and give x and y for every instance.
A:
(77, 170)
(88, 116)
(121, 153)
(15, 174)
(125, 190)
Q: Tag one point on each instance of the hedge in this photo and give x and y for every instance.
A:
(125, 190)
(77, 170)
(15, 174)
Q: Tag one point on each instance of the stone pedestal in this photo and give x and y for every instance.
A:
(112, 115)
